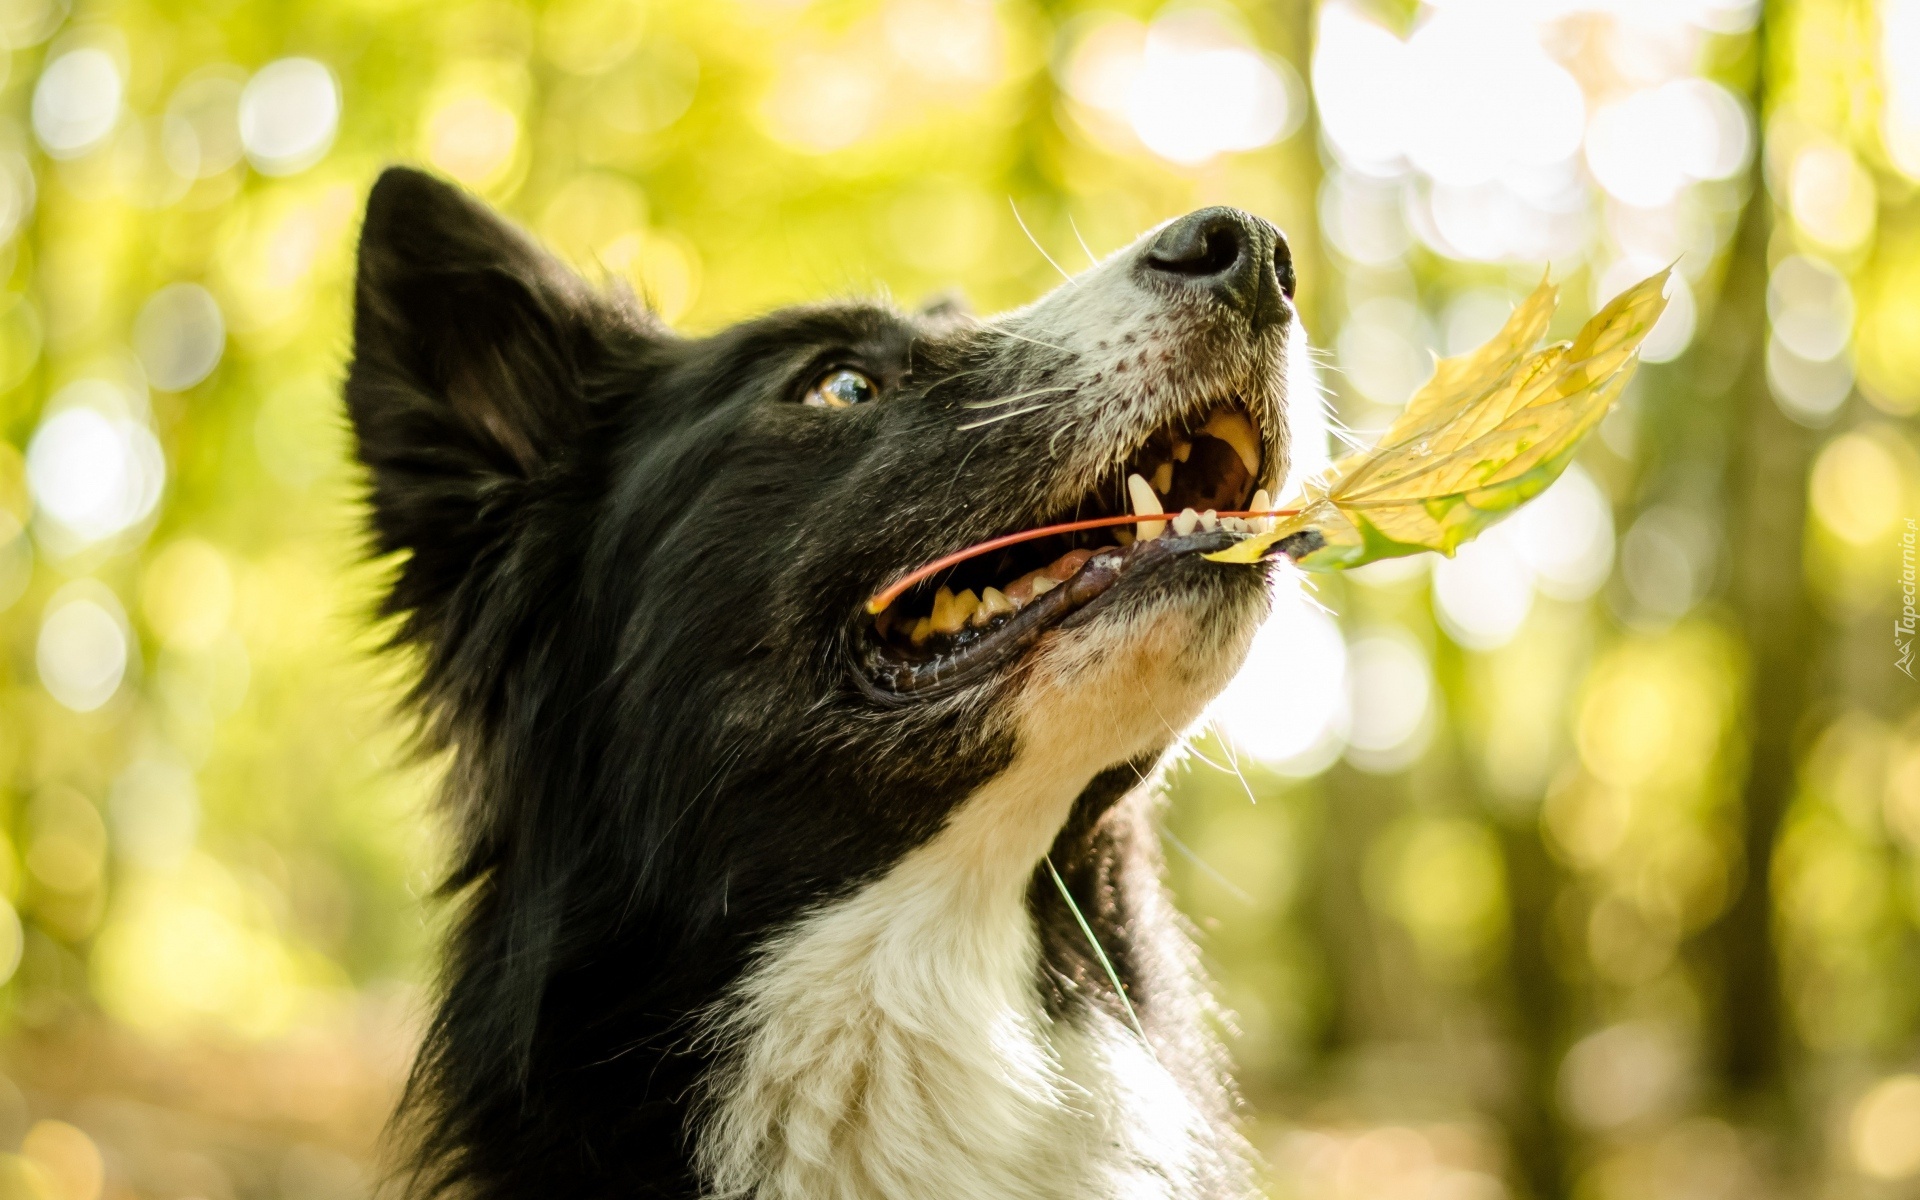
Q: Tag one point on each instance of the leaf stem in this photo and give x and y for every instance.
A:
(892, 591)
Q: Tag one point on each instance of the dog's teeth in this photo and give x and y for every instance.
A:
(1235, 430)
(1042, 585)
(922, 630)
(1260, 504)
(1062, 569)
(1163, 478)
(1020, 591)
(1123, 536)
(1186, 522)
(1234, 524)
(1209, 520)
(1182, 449)
(1145, 503)
(942, 607)
(951, 612)
(993, 603)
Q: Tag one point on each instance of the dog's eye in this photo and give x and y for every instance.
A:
(841, 388)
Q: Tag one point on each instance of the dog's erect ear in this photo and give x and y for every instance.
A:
(472, 348)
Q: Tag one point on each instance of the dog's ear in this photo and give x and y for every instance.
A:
(472, 348)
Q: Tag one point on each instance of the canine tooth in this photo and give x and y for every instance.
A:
(1186, 522)
(1163, 478)
(1260, 503)
(993, 603)
(1145, 502)
(1209, 520)
(1235, 430)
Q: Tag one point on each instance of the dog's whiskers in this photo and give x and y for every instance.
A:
(1065, 387)
(1233, 760)
(944, 380)
(1036, 243)
(1001, 329)
(1053, 442)
(1073, 225)
(998, 417)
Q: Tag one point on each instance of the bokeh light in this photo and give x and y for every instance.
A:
(1668, 560)
(179, 336)
(1811, 307)
(1483, 593)
(66, 1159)
(288, 113)
(1858, 489)
(1287, 707)
(1390, 697)
(1187, 85)
(1442, 879)
(1624, 1073)
(155, 807)
(76, 102)
(1900, 74)
(472, 138)
(1646, 147)
(83, 648)
(200, 134)
(94, 473)
(1883, 1128)
(1565, 537)
(1831, 196)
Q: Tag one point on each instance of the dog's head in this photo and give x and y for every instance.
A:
(636, 565)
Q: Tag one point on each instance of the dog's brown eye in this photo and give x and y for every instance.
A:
(841, 388)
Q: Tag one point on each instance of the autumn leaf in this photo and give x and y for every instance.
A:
(1491, 430)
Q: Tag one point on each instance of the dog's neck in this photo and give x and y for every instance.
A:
(896, 1042)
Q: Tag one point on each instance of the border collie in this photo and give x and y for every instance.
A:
(758, 895)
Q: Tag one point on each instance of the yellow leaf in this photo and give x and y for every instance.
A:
(1491, 430)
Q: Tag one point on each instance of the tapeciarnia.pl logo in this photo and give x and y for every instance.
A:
(1903, 625)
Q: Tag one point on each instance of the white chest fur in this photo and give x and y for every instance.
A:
(893, 1045)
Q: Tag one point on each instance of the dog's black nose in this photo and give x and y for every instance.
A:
(1236, 256)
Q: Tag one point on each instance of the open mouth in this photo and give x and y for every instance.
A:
(983, 612)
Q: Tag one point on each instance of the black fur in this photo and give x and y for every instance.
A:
(630, 565)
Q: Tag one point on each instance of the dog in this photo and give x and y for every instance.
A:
(757, 894)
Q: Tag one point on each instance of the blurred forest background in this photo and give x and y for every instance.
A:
(1586, 864)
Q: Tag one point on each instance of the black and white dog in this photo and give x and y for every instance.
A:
(757, 893)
